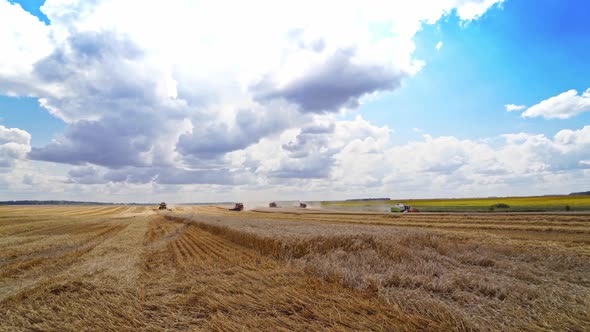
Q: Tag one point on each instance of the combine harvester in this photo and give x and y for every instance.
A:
(163, 206)
(238, 207)
(302, 205)
(403, 208)
(272, 205)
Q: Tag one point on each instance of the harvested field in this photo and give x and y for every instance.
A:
(205, 268)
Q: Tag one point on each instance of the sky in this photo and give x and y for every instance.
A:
(195, 101)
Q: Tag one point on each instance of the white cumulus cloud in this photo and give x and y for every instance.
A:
(14, 145)
(562, 106)
(513, 107)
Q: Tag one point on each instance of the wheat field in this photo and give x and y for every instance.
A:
(129, 268)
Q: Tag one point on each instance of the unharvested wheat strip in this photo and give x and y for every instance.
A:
(494, 227)
(501, 222)
(428, 219)
(497, 218)
(568, 238)
(531, 226)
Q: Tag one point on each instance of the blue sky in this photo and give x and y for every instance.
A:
(95, 105)
(25, 113)
(520, 53)
(34, 7)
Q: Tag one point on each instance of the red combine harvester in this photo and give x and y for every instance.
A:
(237, 207)
(302, 205)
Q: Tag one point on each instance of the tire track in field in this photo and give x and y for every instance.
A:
(26, 210)
(87, 211)
(41, 228)
(56, 257)
(27, 229)
(110, 211)
(8, 221)
(17, 247)
(74, 228)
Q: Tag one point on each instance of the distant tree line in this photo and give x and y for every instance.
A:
(581, 193)
(52, 203)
